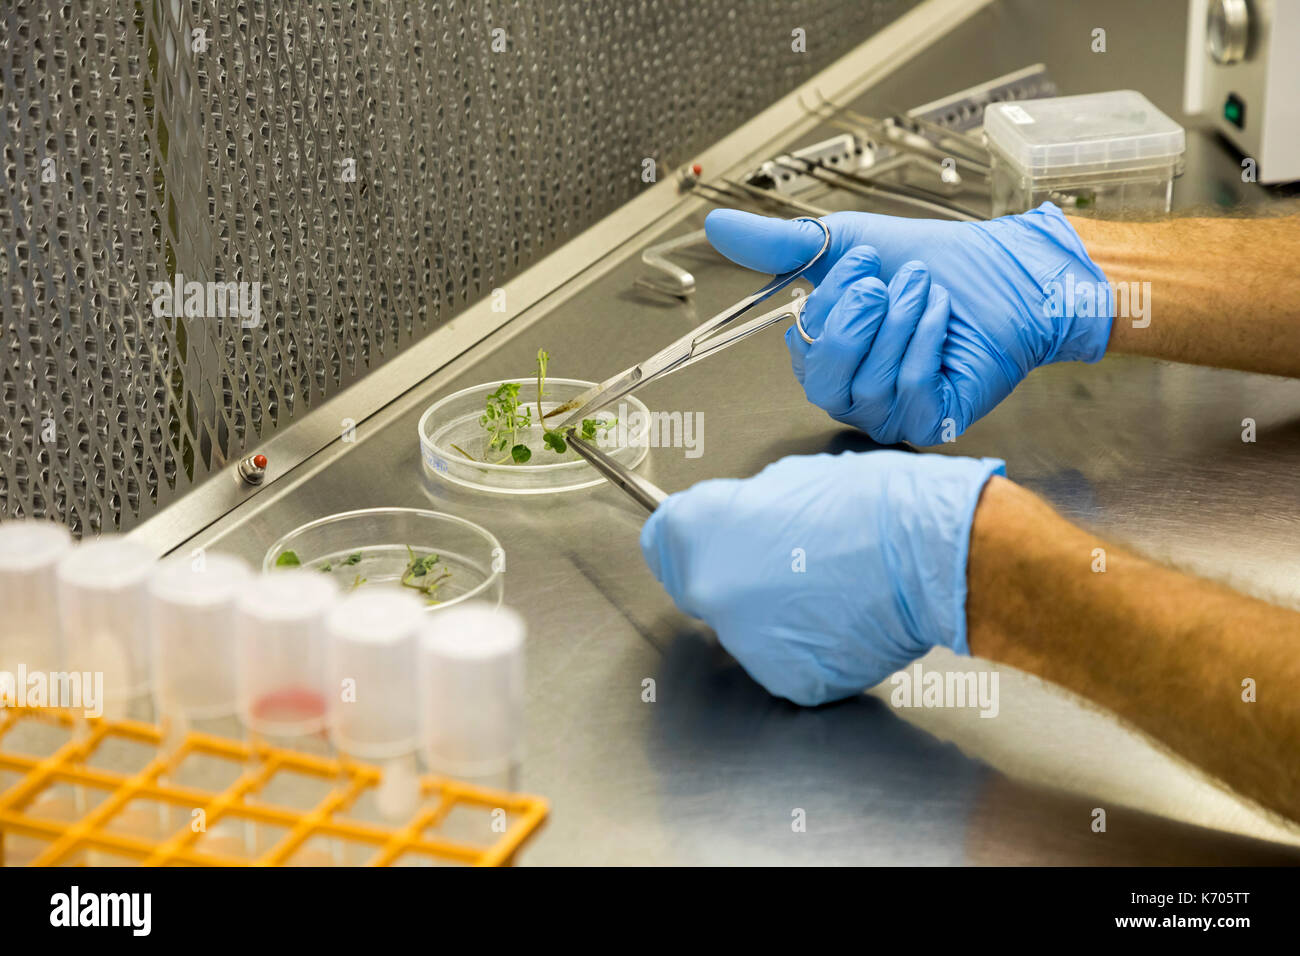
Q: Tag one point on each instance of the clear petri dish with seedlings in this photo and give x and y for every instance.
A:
(440, 558)
(498, 436)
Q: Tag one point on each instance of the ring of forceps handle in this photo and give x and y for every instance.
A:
(708, 338)
(798, 322)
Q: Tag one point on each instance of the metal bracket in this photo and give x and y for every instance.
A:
(845, 151)
(668, 276)
(964, 111)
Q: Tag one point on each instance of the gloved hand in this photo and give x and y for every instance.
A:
(1021, 291)
(823, 575)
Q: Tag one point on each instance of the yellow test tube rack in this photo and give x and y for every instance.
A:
(72, 841)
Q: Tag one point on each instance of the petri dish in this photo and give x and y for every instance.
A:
(373, 548)
(450, 430)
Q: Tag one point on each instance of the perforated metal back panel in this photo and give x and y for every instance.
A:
(372, 166)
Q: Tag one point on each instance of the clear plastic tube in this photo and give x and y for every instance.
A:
(472, 693)
(372, 695)
(29, 639)
(103, 617)
(192, 627)
(29, 644)
(282, 653)
(373, 703)
(192, 623)
(104, 621)
(282, 661)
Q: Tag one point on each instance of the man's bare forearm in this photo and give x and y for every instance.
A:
(1223, 292)
(1167, 652)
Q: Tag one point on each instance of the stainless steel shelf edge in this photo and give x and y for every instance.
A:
(224, 498)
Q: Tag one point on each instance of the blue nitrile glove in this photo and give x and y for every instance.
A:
(1021, 292)
(823, 575)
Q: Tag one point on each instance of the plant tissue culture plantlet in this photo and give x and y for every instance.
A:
(504, 419)
(419, 573)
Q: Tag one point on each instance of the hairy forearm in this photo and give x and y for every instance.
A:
(1223, 292)
(1167, 652)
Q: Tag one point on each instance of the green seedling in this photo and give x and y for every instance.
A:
(553, 438)
(503, 420)
(350, 561)
(419, 575)
(543, 357)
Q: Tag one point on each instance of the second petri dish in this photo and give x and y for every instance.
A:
(438, 557)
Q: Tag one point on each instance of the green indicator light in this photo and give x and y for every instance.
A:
(1234, 110)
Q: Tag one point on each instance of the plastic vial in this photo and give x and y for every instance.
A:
(282, 653)
(192, 627)
(29, 637)
(472, 693)
(373, 706)
(372, 692)
(281, 661)
(104, 620)
(192, 623)
(103, 615)
(29, 643)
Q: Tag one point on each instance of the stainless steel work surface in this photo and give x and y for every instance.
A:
(714, 770)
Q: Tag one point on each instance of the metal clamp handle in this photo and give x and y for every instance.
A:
(798, 322)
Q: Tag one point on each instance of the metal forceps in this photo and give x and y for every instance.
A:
(712, 336)
(644, 492)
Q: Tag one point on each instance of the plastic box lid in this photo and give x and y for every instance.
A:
(1117, 130)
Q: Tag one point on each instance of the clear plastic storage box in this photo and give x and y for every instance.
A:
(1107, 151)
